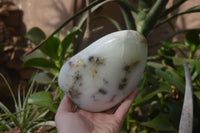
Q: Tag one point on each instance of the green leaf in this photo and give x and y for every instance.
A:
(42, 78)
(192, 41)
(35, 35)
(197, 94)
(43, 99)
(67, 41)
(50, 47)
(169, 75)
(39, 62)
(145, 95)
(36, 54)
(143, 131)
(153, 17)
(175, 109)
(43, 124)
(193, 64)
(159, 124)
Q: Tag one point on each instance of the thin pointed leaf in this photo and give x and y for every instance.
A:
(93, 8)
(11, 92)
(190, 10)
(174, 7)
(186, 121)
(41, 124)
(128, 18)
(4, 108)
(129, 5)
(114, 22)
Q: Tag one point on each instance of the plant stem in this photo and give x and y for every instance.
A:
(145, 4)
(175, 6)
(190, 10)
(65, 23)
(153, 16)
(167, 37)
(128, 18)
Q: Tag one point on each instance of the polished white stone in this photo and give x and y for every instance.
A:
(107, 71)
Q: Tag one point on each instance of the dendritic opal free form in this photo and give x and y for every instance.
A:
(106, 72)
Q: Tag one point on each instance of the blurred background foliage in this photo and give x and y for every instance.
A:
(158, 106)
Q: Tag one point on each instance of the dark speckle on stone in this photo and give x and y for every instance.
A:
(113, 98)
(127, 68)
(91, 58)
(71, 64)
(124, 80)
(105, 81)
(121, 86)
(73, 93)
(80, 84)
(77, 76)
(94, 98)
(102, 91)
(122, 83)
(95, 60)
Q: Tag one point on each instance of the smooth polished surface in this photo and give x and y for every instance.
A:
(103, 74)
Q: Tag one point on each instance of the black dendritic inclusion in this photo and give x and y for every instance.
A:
(98, 94)
(127, 69)
(77, 77)
(96, 60)
(73, 91)
(113, 98)
(123, 83)
(102, 91)
(105, 81)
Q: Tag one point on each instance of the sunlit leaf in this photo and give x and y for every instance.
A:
(146, 95)
(43, 99)
(159, 124)
(42, 78)
(36, 54)
(168, 75)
